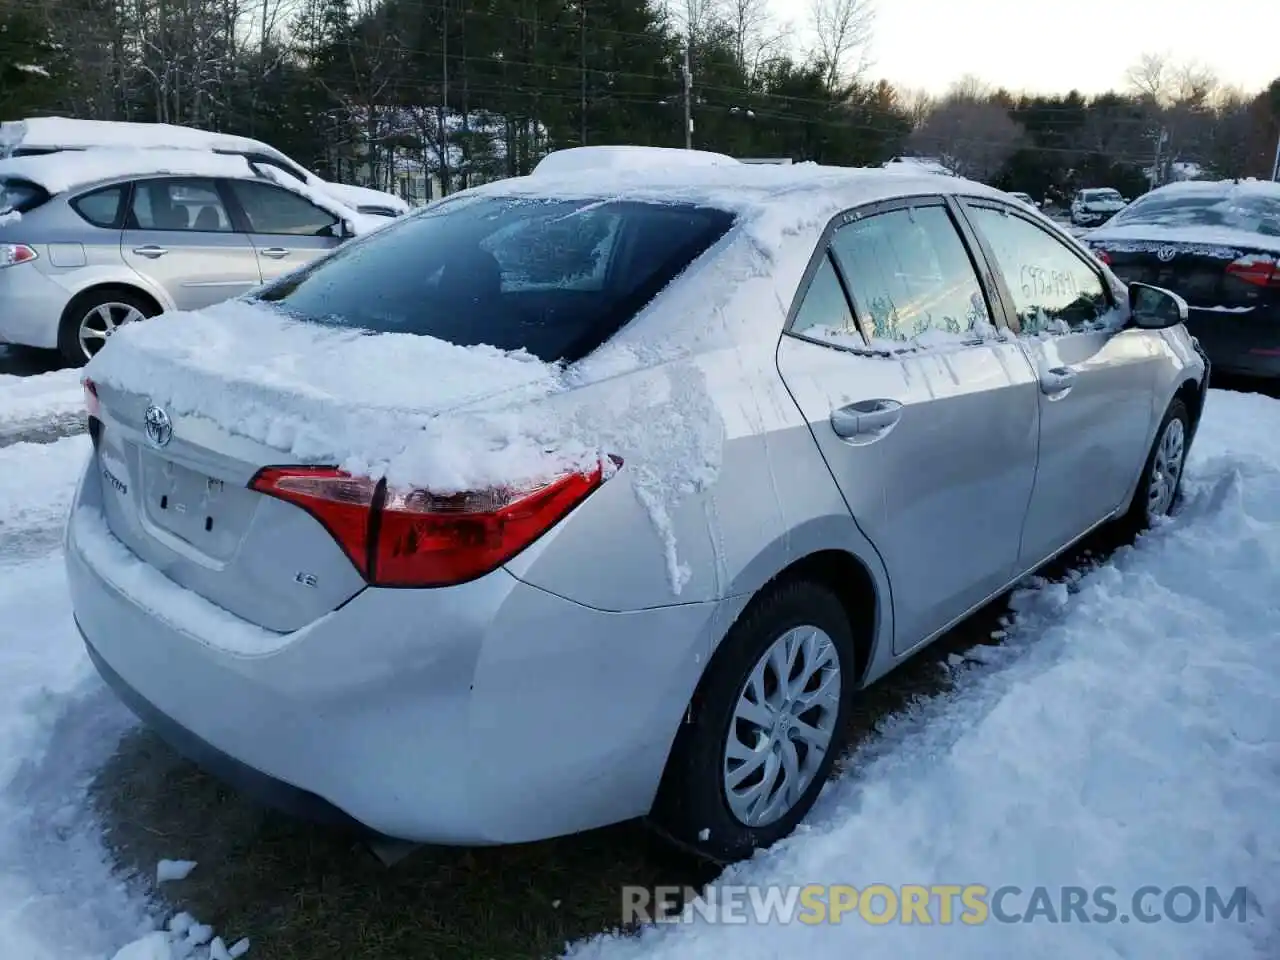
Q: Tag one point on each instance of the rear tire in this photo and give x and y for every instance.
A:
(104, 310)
(745, 727)
(1160, 486)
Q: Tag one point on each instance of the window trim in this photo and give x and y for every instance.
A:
(1050, 228)
(240, 218)
(977, 260)
(131, 221)
(123, 205)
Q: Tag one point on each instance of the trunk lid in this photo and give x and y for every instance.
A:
(192, 411)
(1191, 263)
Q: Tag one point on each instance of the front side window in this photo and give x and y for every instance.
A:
(271, 209)
(554, 277)
(1054, 290)
(178, 204)
(910, 276)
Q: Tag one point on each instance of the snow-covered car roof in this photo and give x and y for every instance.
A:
(65, 133)
(626, 157)
(799, 194)
(72, 169)
(76, 134)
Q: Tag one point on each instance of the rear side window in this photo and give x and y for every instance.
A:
(554, 277)
(824, 313)
(1053, 289)
(271, 209)
(20, 196)
(101, 207)
(178, 205)
(910, 275)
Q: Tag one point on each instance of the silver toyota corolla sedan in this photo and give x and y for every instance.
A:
(93, 239)
(891, 398)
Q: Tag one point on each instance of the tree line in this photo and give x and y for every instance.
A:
(473, 90)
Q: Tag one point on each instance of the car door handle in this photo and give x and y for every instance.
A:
(1057, 380)
(865, 420)
(150, 251)
(275, 253)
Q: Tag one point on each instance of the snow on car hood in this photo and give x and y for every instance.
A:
(1225, 243)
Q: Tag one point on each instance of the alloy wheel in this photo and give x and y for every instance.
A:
(97, 326)
(782, 727)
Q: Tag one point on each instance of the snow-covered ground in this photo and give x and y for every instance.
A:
(40, 407)
(1127, 733)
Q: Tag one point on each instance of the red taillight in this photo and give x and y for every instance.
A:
(1102, 255)
(91, 402)
(414, 538)
(12, 253)
(1259, 271)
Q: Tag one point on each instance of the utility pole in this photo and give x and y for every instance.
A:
(444, 97)
(582, 69)
(1275, 167)
(688, 98)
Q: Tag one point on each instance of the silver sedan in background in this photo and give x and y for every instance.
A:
(93, 239)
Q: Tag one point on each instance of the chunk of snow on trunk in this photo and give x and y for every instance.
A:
(167, 870)
(239, 948)
(218, 950)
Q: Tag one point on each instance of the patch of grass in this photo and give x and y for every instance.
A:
(303, 892)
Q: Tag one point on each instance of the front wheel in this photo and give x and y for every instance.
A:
(765, 726)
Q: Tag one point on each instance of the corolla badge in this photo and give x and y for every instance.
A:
(158, 426)
(1165, 254)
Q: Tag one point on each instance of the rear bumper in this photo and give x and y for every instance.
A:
(31, 306)
(247, 781)
(489, 713)
(1240, 344)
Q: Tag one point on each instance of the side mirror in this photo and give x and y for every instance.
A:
(1155, 308)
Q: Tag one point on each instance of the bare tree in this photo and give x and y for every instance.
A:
(756, 37)
(917, 104)
(842, 29)
(972, 137)
(1150, 78)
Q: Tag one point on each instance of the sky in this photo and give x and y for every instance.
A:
(1052, 46)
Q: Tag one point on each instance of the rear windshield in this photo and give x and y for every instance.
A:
(1208, 208)
(20, 196)
(1101, 195)
(554, 277)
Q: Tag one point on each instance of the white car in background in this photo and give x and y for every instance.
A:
(45, 135)
(1094, 207)
(1023, 198)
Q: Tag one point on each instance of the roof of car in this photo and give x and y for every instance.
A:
(791, 191)
(72, 169)
(70, 133)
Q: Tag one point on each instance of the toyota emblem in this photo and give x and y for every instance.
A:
(1165, 254)
(158, 426)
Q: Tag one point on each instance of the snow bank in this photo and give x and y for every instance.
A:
(48, 400)
(1127, 733)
